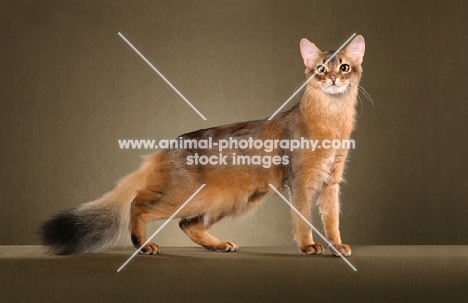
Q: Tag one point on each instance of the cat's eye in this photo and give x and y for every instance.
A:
(321, 69)
(344, 68)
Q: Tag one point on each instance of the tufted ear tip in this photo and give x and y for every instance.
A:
(355, 49)
(358, 39)
(309, 52)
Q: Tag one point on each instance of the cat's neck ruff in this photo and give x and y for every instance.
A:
(330, 111)
(316, 100)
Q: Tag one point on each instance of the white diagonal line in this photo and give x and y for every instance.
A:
(162, 76)
(159, 229)
(310, 224)
(311, 77)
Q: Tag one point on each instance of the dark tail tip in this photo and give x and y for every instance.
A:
(62, 233)
(81, 230)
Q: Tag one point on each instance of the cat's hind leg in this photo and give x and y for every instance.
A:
(195, 228)
(142, 210)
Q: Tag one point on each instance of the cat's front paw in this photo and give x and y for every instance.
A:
(313, 249)
(343, 249)
(226, 246)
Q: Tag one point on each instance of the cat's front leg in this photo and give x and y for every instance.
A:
(196, 229)
(301, 197)
(330, 213)
(329, 206)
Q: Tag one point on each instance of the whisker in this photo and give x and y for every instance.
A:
(366, 94)
(299, 85)
(361, 107)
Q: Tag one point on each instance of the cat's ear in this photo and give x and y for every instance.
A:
(355, 50)
(310, 53)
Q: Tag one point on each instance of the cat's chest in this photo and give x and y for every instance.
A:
(315, 164)
(331, 127)
(327, 122)
(325, 131)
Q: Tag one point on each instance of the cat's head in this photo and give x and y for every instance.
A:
(340, 73)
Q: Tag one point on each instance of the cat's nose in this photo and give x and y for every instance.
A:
(333, 78)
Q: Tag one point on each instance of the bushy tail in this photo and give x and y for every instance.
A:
(96, 225)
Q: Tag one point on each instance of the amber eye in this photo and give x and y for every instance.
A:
(344, 68)
(321, 69)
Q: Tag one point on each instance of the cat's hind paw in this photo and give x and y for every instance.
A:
(150, 249)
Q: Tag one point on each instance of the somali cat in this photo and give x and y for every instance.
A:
(165, 180)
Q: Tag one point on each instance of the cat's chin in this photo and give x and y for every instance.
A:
(334, 89)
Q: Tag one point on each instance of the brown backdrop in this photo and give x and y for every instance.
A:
(71, 87)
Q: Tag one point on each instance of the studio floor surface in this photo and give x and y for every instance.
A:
(253, 274)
